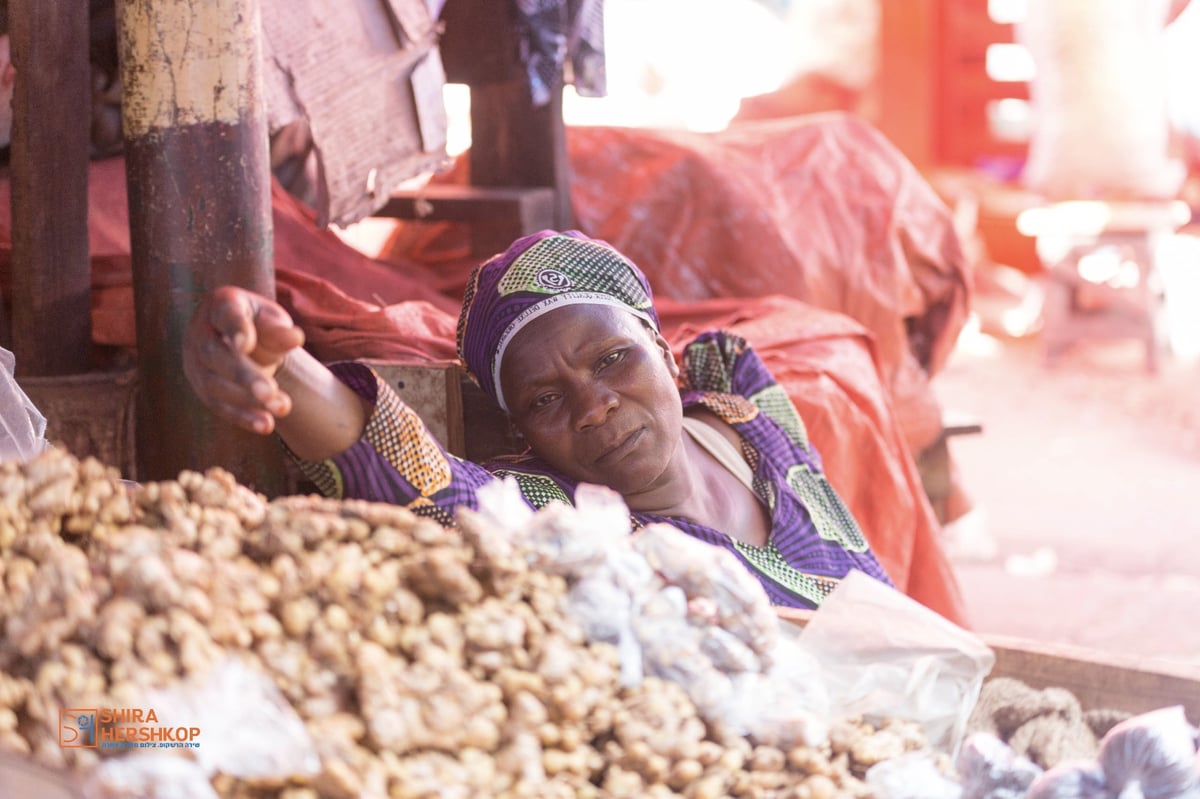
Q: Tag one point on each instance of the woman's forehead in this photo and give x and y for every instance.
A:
(577, 325)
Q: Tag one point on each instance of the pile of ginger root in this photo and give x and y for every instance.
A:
(420, 663)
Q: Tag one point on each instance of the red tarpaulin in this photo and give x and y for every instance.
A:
(821, 208)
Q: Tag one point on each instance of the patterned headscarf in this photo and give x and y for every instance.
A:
(537, 274)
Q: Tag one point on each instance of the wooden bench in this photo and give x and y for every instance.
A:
(1123, 300)
(457, 412)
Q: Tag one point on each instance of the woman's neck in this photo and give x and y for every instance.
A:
(699, 487)
(675, 487)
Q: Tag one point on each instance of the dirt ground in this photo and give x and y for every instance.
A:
(1086, 481)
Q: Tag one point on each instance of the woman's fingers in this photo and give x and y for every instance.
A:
(230, 402)
(230, 312)
(276, 335)
(230, 383)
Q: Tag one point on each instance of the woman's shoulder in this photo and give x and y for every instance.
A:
(720, 360)
(724, 374)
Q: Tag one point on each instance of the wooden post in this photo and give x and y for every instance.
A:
(51, 270)
(513, 142)
(197, 165)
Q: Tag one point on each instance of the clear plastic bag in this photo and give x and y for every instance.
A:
(884, 655)
(153, 775)
(572, 541)
(21, 777)
(1100, 96)
(913, 775)
(604, 603)
(742, 670)
(22, 425)
(249, 729)
(675, 607)
(1150, 756)
(708, 573)
(784, 708)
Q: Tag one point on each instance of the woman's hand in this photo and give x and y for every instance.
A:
(245, 359)
(232, 350)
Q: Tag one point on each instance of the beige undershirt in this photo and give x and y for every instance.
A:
(720, 448)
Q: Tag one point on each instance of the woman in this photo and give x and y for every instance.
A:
(561, 331)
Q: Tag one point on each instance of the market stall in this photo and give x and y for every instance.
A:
(298, 647)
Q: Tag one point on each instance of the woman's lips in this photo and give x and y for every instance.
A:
(622, 448)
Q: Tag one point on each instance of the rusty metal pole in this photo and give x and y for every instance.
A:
(51, 271)
(195, 133)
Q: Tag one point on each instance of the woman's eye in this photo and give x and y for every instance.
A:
(542, 401)
(611, 358)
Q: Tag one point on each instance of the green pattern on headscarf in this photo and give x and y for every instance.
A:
(562, 264)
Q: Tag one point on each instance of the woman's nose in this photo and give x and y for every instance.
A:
(593, 404)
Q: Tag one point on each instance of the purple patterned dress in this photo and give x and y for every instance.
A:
(814, 540)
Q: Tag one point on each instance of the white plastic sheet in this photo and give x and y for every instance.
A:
(247, 730)
(1100, 94)
(22, 426)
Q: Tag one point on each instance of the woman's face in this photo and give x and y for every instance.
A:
(593, 391)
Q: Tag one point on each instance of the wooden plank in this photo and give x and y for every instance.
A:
(90, 414)
(960, 424)
(498, 214)
(974, 87)
(514, 143)
(480, 43)
(367, 77)
(19, 776)
(1099, 680)
(457, 412)
(51, 270)
(488, 430)
(910, 80)
(467, 203)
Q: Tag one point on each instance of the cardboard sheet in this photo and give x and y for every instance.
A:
(367, 76)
